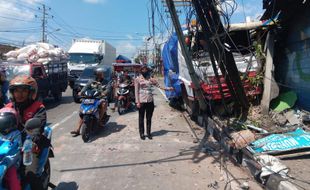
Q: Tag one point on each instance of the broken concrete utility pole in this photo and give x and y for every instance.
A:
(187, 57)
(215, 33)
(271, 88)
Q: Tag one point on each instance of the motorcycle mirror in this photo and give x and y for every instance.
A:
(32, 124)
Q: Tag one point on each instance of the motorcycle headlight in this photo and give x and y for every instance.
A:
(82, 111)
(89, 111)
(92, 110)
(86, 111)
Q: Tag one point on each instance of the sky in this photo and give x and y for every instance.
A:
(122, 23)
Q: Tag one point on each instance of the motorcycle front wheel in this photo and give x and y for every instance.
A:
(120, 107)
(85, 132)
(47, 174)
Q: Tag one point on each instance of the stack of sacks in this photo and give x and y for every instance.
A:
(39, 52)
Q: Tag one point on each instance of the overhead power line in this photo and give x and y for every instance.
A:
(24, 5)
(17, 19)
(62, 23)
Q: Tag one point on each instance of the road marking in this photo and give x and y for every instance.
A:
(164, 95)
(64, 120)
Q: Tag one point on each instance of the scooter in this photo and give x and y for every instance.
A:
(11, 153)
(124, 98)
(89, 111)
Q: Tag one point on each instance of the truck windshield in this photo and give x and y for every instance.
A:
(84, 58)
(14, 70)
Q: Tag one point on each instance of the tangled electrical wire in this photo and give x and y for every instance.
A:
(226, 9)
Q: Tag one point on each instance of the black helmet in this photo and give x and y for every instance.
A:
(99, 70)
(144, 67)
(8, 120)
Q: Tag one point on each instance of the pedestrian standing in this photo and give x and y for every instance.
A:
(4, 87)
(144, 99)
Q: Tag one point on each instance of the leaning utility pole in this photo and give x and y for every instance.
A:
(153, 34)
(187, 57)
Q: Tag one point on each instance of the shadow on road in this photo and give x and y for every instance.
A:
(50, 103)
(67, 186)
(296, 157)
(110, 128)
(194, 153)
(183, 155)
(164, 132)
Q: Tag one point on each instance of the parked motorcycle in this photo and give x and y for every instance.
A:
(124, 98)
(89, 111)
(12, 151)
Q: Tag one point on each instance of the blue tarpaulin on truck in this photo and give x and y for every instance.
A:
(171, 67)
(122, 59)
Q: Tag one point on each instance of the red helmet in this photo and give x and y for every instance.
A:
(24, 82)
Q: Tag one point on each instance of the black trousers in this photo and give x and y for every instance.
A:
(147, 108)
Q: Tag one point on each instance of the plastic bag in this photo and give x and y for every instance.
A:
(43, 53)
(11, 59)
(22, 56)
(45, 46)
(53, 53)
(11, 54)
(33, 58)
(44, 60)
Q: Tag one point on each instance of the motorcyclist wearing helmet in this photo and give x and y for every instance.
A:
(9, 131)
(23, 94)
(102, 86)
(4, 85)
(126, 78)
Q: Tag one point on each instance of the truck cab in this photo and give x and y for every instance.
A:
(78, 62)
(51, 77)
(86, 53)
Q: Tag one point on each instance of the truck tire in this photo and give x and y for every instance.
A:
(71, 84)
(194, 107)
(57, 96)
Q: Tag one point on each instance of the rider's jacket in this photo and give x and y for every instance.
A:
(35, 110)
(103, 86)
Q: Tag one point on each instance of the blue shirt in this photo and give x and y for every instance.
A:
(4, 91)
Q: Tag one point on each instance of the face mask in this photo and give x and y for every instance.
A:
(23, 105)
(145, 74)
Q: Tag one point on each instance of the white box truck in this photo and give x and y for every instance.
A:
(88, 52)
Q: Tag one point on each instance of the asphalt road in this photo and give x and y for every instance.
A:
(116, 158)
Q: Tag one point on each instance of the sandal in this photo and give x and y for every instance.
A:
(75, 133)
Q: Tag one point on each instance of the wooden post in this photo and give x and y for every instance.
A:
(271, 88)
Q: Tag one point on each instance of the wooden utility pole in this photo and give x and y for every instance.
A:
(187, 57)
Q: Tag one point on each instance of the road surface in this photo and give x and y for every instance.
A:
(116, 158)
